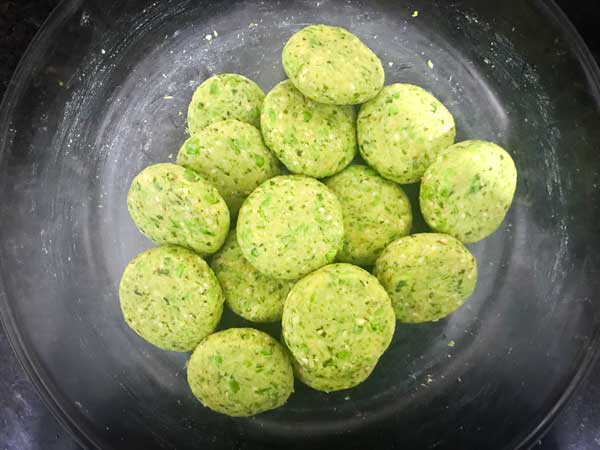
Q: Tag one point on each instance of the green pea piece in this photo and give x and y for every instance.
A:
(331, 65)
(467, 191)
(427, 275)
(289, 226)
(240, 372)
(248, 293)
(402, 130)
(222, 97)
(174, 205)
(170, 297)
(309, 138)
(337, 322)
(232, 156)
(376, 212)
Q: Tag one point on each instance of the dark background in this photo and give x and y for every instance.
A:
(25, 424)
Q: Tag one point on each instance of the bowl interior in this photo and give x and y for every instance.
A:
(104, 93)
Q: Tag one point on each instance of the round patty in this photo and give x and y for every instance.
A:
(310, 138)
(248, 293)
(467, 191)
(337, 322)
(376, 212)
(240, 372)
(427, 276)
(290, 226)
(318, 381)
(170, 297)
(402, 130)
(225, 96)
(174, 205)
(331, 65)
(232, 156)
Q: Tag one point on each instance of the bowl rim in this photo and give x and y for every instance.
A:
(81, 432)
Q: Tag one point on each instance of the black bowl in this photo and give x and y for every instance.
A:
(103, 92)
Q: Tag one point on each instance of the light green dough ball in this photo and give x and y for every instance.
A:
(310, 138)
(290, 226)
(376, 212)
(331, 65)
(248, 292)
(427, 275)
(315, 380)
(232, 156)
(174, 205)
(402, 130)
(240, 372)
(222, 97)
(170, 297)
(337, 322)
(467, 191)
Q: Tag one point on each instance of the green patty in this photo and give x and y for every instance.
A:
(331, 65)
(309, 138)
(170, 297)
(402, 130)
(248, 292)
(316, 380)
(337, 322)
(174, 205)
(290, 226)
(376, 212)
(225, 96)
(427, 276)
(240, 372)
(467, 191)
(231, 155)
